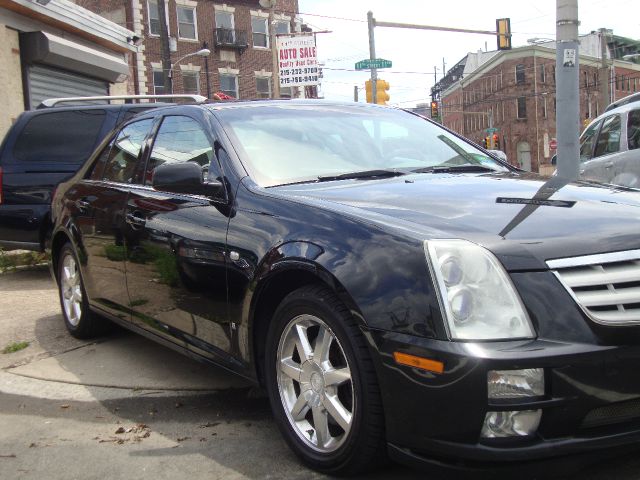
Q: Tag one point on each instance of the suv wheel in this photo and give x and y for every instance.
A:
(322, 386)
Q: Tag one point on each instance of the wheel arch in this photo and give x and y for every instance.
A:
(285, 277)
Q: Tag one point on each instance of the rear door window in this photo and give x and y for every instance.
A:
(633, 129)
(63, 137)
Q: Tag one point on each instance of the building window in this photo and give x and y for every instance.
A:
(285, 92)
(519, 74)
(158, 82)
(259, 26)
(187, 27)
(191, 82)
(595, 79)
(282, 27)
(522, 107)
(225, 22)
(229, 85)
(263, 87)
(544, 107)
(543, 76)
(154, 22)
(586, 79)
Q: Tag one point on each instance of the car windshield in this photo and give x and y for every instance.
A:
(282, 144)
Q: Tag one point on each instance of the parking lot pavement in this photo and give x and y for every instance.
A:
(124, 407)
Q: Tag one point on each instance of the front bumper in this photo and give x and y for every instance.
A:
(591, 401)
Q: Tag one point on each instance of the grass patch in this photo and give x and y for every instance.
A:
(11, 261)
(138, 302)
(15, 347)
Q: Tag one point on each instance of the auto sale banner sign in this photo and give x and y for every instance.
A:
(297, 60)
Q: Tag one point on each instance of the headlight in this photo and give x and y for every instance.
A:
(477, 296)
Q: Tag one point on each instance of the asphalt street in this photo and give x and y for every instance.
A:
(122, 407)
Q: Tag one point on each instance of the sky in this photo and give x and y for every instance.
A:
(415, 53)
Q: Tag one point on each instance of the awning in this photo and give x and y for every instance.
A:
(42, 47)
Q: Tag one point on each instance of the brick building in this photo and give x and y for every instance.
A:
(57, 49)
(236, 32)
(514, 90)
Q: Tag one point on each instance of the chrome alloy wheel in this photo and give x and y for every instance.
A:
(315, 385)
(71, 288)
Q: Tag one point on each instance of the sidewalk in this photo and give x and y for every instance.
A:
(122, 361)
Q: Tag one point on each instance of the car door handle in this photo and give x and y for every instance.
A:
(135, 221)
(608, 165)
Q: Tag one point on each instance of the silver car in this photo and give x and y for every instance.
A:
(610, 147)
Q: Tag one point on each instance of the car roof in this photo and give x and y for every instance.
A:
(634, 97)
(633, 105)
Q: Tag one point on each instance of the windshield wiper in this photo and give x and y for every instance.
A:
(467, 167)
(380, 173)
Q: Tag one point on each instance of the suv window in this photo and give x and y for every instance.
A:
(609, 136)
(633, 129)
(125, 151)
(179, 139)
(587, 140)
(67, 137)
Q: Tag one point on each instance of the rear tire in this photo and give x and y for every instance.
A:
(322, 386)
(78, 318)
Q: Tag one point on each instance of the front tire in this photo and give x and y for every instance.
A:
(78, 319)
(322, 385)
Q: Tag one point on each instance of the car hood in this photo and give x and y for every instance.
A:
(524, 219)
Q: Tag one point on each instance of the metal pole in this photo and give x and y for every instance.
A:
(604, 72)
(567, 81)
(491, 142)
(372, 56)
(355, 93)
(274, 53)
(164, 47)
(206, 70)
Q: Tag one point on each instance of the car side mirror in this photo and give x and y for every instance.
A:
(186, 177)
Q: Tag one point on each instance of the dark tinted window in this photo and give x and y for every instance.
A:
(95, 171)
(633, 129)
(587, 140)
(132, 112)
(609, 136)
(125, 151)
(179, 139)
(68, 137)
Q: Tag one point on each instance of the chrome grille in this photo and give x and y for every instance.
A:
(606, 286)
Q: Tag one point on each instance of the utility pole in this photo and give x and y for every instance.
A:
(355, 93)
(605, 96)
(567, 82)
(491, 141)
(274, 51)
(372, 56)
(164, 47)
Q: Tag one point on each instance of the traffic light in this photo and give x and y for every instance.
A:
(487, 143)
(434, 109)
(496, 142)
(382, 96)
(369, 90)
(503, 30)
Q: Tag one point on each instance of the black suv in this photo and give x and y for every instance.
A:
(45, 147)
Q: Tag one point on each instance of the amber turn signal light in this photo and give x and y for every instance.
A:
(418, 362)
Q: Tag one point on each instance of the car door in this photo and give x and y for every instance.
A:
(604, 165)
(100, 200)
(628, 162)
(176, 266)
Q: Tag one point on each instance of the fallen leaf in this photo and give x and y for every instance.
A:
(33, 445)
(11, 455)
(210, 424)
(182, 439)
(120, 430)
(65, 406)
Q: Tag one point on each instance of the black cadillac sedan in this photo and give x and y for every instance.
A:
(398, 291)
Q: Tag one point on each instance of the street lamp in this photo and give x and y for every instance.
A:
(203, 52)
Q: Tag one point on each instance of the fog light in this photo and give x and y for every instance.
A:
(511, 424)
(503, 384)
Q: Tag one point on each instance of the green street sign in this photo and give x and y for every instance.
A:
(367, 64)
(491, 130)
